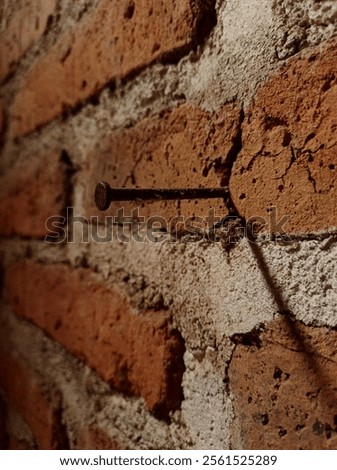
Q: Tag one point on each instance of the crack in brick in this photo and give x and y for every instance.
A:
(305, 351)
(226, 379)
(312, 180)
(235, 150)
(291, 163)
(232, 157)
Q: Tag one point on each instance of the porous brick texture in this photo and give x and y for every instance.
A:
(284, 387)
(111, 43)
(289, 159)
(185, 324)
(183, 147)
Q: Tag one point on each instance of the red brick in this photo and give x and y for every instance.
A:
(25, 27)
(183, 147)
(27, 393)
(31, 193)
(95, 438)
(112, 42)
(139, 354)
(284, 388)
(289, 156)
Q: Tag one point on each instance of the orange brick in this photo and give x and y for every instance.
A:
(30, 194)
(183, 147)
(25, 27)
(112, 42)
(27, 393)
(289, 156)
(284, 388)
(95, 438)
(137, 354)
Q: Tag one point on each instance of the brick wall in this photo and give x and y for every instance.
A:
(202, 334)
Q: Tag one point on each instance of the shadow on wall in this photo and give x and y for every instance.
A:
(283, 381)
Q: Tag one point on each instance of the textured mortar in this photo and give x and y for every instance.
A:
(204, 391)
(252, 37)
(304, 272)
(212, 294)
(225, 294)
(225, 69)
(86, 398)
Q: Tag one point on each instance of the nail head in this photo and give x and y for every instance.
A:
(102, 198)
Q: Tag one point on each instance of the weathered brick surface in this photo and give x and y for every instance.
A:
(30, 193)
(110, 43)
(289, 156)
(26, 25)
(95, 438)
(183, 147)
(137, 354)
(38, 406)
(284, 388)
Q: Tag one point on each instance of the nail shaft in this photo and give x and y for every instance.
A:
(105, 194)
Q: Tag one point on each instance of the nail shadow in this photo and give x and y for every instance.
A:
(326, 388)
